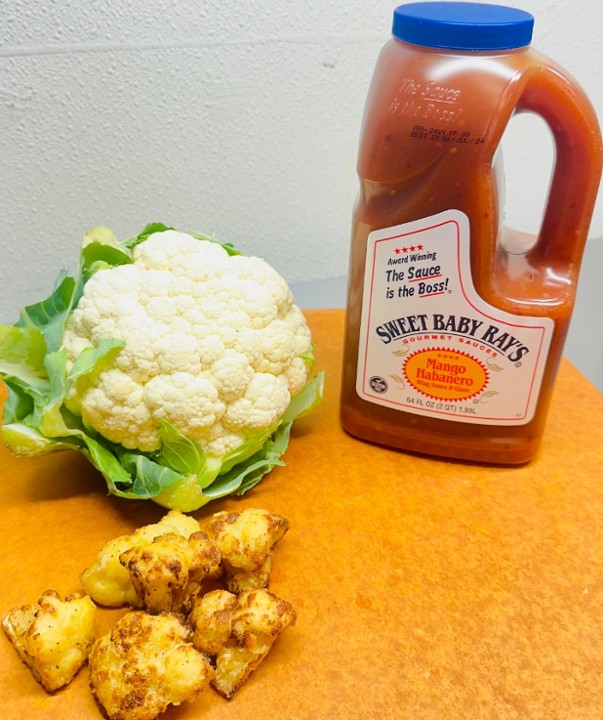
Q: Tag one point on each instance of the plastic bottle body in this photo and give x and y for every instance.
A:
(432, 127)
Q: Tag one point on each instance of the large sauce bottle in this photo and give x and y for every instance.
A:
(455, 327)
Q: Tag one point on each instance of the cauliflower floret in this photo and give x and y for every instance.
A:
(297, 375)
(177, 352)
(211, 350)
(107, 581)
(168, 573)
(191, 403)
(140, 361)
(213, 345)
(255, 300)
(297, 325)
(54, 639)
(238, 632)
(231, 374)
(146, 664)
(117, 403)
(265, 400)
(246, 542)
(266, 276)
(211, 620)
(183, 254)
(220, 439)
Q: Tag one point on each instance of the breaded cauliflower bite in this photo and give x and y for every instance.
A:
(237, 631)
(168, 573)
(107, 581)
(246, 541)
(54, 639)
(146, 664)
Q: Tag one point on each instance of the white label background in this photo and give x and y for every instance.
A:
(438, 250)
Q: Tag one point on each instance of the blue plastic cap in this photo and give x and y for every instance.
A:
(463, 26)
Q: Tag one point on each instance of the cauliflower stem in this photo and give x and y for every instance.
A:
(199, 407)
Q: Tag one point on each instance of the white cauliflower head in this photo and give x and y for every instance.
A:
(214, 346)
(176, 364)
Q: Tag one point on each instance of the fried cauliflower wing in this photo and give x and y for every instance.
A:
(237, 631)
(168, 573)
(246, 541)
(54, 639)
(146, 664)
(211, 620)
(107, 581)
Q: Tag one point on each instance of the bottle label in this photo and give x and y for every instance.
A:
(430, 345)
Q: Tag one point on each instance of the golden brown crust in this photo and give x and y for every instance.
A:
(211, 620)
(168, 573)
(246, 541)
(237, 631)
(107, 581)
(161, 653)
(144, 665)
(53, 639)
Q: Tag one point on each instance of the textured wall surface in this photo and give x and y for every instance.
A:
(237, 119)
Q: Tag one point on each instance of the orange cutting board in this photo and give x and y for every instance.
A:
(424, 589)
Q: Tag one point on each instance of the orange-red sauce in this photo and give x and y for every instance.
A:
(405, 178)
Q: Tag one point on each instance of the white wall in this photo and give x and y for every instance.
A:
(237, 119)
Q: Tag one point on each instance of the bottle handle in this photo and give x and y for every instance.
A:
(556, 97)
